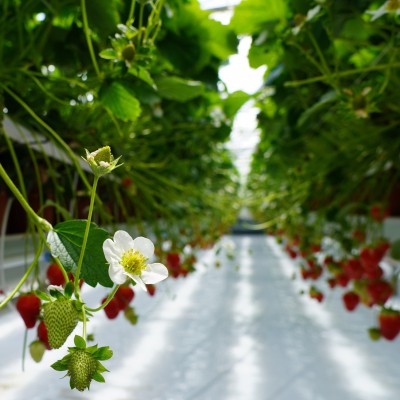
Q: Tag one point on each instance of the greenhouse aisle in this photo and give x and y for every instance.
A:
(237, 332)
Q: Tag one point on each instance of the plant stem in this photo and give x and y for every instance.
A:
(84, 322)
(23, 279)
(41, 223)
(24, 349)
(342, 73)
(131, 15)
(109, 298)
(86, 235)
(88, 38)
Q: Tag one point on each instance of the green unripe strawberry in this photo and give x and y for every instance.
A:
(128, 52)
(83, 364)
(81, 368)
(36, 350)
(60, 318)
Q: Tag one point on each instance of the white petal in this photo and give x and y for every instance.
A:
(117, 275)
(154, 273)
(144, 246)
(139, 282)
(112, 252)
(123, 240)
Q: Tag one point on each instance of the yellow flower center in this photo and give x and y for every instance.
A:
(133, 262)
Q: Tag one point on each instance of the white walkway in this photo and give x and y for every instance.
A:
(240, 332)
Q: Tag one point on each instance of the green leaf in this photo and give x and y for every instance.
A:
(61, 365)
(103, 16)
(395, 250)
(65, 242)
(98, 377)
(108, 54)
(42, 296)
(103, 353)
(101, 367)
(325, 100)
(120, 100)
(179, 89)
(234, 102)
(142, 74)
(69, 289)
(79, 342)
(252, 15)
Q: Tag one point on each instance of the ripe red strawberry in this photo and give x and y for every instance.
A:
(378, 212)
(370, 257)
(332, 282)
(311, 262)
(124, 296)
(353, 268)
(315, 248)
(342, 279)
(351, 300)
(358, 235)
(379, 291)
(382, 246)
(316, 294)
(389, 323)
(151, 289)
(328, 260)
(54, 275)
(28, 306)
(126, 182)
(173, 261)
(292, 253)
(42, 334)
(375, 273)
(112, 308)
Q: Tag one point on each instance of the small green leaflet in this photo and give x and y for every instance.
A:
(175, 88)
(119, 98)
(65, 243)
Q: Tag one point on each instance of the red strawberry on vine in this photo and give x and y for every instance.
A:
(351, 300)
(55, 275)
(389, 323)
(28, 306)
(379, 291)
(378, 212)
(292, 253)
(173, 260)
(151, 289)
(358, 235)
(353, 268)
(112, 308)
(42, 334)
(316, 294)
(332, 282)
(370, 257)
(124, 296)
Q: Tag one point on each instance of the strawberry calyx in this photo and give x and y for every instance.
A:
(83, 364)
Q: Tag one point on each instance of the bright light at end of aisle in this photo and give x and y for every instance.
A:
(238, 75)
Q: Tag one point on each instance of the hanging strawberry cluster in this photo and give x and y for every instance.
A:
(362, 264)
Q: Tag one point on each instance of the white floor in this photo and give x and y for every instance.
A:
(239, 332)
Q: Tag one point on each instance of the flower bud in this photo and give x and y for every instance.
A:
(102, 161)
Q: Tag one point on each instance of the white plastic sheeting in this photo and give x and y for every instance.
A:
(238, 332)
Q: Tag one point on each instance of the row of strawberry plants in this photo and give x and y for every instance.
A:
(365, 269)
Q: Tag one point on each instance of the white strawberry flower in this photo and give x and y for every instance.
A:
(128, 258)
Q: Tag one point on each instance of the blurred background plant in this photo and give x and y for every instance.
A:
(140, 76)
